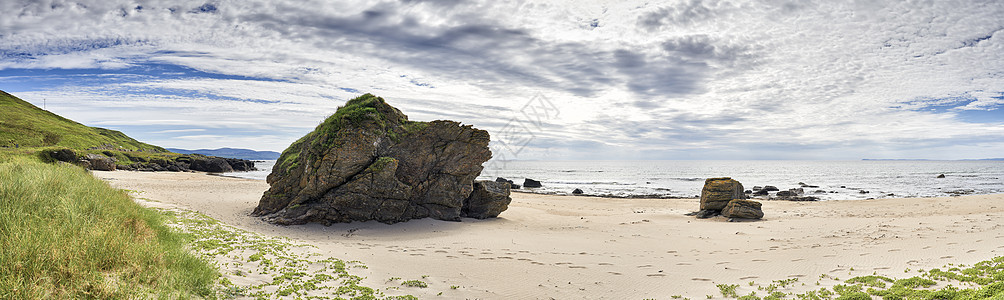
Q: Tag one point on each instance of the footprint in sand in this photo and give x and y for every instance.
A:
(441, 251)
(451, 256)
(947, 256)
(798, 259)
(605, 264)
(748, 277)
(970, 251)
(576, 267)
(645, 266)
(563, 263)
(863, 254)
(524, 259)
(830, 255)
(504, 257)
(614, 273)
(537, 263)
(796, 275)
(487, 258)
(758, 260)
(722, 263)
(680, 264)
(895, 250)
(700, 279)
(655, 275)
(417, 254)
(882, 268)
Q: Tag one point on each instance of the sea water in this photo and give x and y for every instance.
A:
(836, 180)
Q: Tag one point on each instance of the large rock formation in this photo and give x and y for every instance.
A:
(717, 193)
(369, 162)
(725, 196)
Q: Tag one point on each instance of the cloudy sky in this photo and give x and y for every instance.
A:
(549, 79)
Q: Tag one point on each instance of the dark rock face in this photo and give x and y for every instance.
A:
(717, 192)
(530, 183)
(743, 209)
(368, 162)
(941, 176)
(488, 200)
(512, 185)
(212, 165)
(99, 162)
(771, 188)
(64, 155)
(577, 191)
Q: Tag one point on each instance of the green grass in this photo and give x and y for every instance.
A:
(25, 125)
(366, 111)
(295, 270)
(65, 234)
(983, 280)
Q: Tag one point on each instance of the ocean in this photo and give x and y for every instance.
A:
(836, 180)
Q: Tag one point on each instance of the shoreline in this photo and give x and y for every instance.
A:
(593, 247)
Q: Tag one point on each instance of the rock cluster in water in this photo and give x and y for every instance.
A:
(369, 162)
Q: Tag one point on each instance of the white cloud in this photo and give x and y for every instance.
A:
(677, 77)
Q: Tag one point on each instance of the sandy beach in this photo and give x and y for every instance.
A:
(566, 247)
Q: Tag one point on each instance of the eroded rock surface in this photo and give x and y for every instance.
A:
(369, 162)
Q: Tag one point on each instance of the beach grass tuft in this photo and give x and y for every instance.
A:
(66, 234)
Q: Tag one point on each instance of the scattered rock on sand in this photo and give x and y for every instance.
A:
(743, 209)
(530, 183)
(369, 162)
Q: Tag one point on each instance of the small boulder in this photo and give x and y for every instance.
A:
(530, 183)
(941, 176)
(706, 213)
(512, 185)
(100, 162)
(717, 192)
(743, 209)
(488, 200)
(783, 194)
(761, 193)
(577, 191)
(771, 188)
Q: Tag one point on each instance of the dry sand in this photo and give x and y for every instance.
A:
(567, 247)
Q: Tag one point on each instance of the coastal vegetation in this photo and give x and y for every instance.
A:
(23, 125)
(65, 234)
(280, 267)
(983, 280)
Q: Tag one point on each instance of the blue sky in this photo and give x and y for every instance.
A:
(686, 79)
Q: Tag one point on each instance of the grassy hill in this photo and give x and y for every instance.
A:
(25, 125)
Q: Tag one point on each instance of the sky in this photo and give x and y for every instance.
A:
(550, 80)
